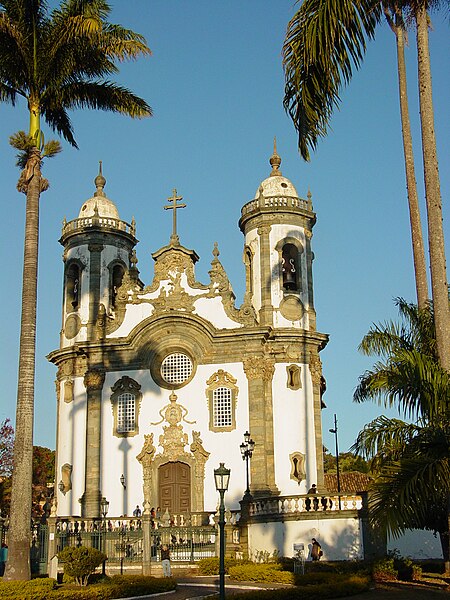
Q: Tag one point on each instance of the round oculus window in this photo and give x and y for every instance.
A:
(176, 368)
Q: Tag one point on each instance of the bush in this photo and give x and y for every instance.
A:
(407, 570)
(210, 566)
(36, 589)
(80, 562)
(261, 572)
(384, 570)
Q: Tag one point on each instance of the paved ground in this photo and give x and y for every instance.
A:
(195, 588)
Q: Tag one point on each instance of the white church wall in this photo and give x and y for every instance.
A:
(134, 315)
(341, 539)
(289, 430)
(252, 240)
(417, 544)
(212, 310)
(79, 253)
(71, 446)
(119, 454)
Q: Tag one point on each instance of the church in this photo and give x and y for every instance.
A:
(160, 382)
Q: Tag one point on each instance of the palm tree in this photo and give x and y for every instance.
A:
(56, 61)
(410, 459)
(324, 39)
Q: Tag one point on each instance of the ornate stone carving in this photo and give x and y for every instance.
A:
(220, 284)
(173, 441)
(94, 379)
(95, 247)
(298, 472)
(175, 298)
(257, 367)
(292, 308)
(315, 366)
(66, 477)
(264, 229)
(68, 391)
(72, 326)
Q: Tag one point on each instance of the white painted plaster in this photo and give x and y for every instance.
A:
(417, 544)
(341, 539)
(213, 311)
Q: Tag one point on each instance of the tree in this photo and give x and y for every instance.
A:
(325, 38)
(6, 448)
(410, 460)
(56, 61)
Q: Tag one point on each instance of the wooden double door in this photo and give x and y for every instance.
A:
(174, 487)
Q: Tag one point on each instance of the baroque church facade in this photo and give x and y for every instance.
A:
(157, 384)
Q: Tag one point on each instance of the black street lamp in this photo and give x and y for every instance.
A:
(247, 447)
(335, 431)
(222, 479)
(104, 507)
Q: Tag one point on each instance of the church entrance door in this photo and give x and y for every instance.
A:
(174, 487)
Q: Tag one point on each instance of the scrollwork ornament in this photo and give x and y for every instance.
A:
(94, 379)
(315, 367)
(257, 367)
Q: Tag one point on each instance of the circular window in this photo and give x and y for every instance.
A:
(176, 368)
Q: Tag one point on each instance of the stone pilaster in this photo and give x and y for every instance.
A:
(94, 287)
(266, 311)
(259, 373)
(90, 501)
(146, 533)
(315, 367)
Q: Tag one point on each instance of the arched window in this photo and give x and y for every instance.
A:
(73, 285)
(222, 396)
(290, 268)
(126, 400)
(116, 281)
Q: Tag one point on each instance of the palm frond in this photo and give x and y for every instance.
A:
(105, 95)
(325, 40)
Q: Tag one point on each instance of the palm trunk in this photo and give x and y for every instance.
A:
(18, 565)
(433, 193)
(411, 186)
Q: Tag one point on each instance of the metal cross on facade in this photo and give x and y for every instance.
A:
(174, 206)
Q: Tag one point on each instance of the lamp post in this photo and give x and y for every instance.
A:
(104, 507)
(335, 431)
(123, 481)
(222, 478)
(247, 447)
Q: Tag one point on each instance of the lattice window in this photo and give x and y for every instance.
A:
(125, 403)
(126, 413)
(222, 407)
(222, 396)
(176, 368)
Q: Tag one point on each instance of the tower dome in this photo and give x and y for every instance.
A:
(99, 203)
(276, 184)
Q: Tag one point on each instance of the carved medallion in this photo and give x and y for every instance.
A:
(291, 308)
(72, 326)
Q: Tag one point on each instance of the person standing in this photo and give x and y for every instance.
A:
(165, 561)
(316, 550)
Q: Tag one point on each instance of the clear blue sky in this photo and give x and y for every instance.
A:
(215, 82)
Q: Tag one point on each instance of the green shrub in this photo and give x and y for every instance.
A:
(383, 570)
(80, 562)
(210, 566)
(261, 572)
(36, 589)
(407, 570)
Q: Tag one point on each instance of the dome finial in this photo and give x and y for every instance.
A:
(275, 160)
(99, 181)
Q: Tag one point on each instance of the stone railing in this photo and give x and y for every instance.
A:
(274, 202)
(81, 223)
(296, 505)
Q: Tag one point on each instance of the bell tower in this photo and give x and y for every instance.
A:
(277, 225)
(98, 250)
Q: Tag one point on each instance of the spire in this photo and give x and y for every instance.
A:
(99, 181)
(275, 160)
